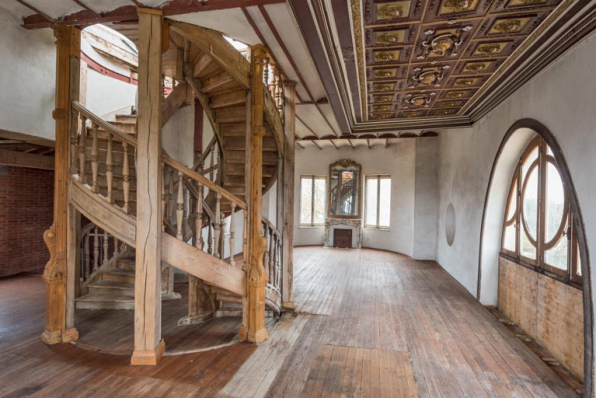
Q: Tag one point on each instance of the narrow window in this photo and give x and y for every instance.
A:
(378, 201)
(312, 200)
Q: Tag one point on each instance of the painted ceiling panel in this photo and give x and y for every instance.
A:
(328, 112)
(286, 25)
(107, 5)
(231, 22)
(55, 8)
(301, 129)
(17, 10)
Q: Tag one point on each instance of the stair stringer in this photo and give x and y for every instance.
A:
(176, 253)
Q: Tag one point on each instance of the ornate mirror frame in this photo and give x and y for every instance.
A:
(345, 163)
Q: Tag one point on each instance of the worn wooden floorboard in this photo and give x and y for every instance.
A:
(369, 324)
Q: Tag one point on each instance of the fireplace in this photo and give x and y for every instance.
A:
(352, 225)
(342, 238)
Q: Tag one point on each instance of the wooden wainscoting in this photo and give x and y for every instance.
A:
(547, 310)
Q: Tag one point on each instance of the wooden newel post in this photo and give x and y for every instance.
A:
(148, 344)
(55, 275)
(288, 197)
(253, 327)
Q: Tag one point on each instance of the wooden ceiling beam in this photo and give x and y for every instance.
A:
(22, 159)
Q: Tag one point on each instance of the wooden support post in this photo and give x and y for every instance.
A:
(148, 344)
(288, 198)
(56, 274)
(253, 327)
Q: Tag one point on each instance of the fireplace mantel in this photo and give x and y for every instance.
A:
(355, 224)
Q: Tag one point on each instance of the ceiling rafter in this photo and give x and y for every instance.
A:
(307, 126)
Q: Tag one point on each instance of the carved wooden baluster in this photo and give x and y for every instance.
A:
(116, 243)
(95, 250)
(74, 143)
(163, 197)
(211, 164)
(266, 254)
(277, 90)
(266, 72)
(271, 253)
(171, 196)
(232, 234)
(245, 239)
(106, 244)
(278, 262)
(179, 207)
(110, 170)
(217, 226)
(222, 243)
(94, 159)
(125, 177)
(87, 256)
(210, 236)
(82, 155)
(199, 218)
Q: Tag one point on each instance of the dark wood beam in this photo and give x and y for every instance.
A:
(30, 160)
(129, 13)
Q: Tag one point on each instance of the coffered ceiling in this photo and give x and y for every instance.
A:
(390, 65)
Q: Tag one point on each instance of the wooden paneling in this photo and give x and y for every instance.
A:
(549, 311)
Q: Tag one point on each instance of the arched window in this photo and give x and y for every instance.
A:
(538, 230)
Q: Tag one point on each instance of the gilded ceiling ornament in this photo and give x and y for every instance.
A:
(429, 77)
(457, 94)
(418, 99)
(490, 48)
(386, 56)
(412, 113)
(453, 6)
(383, 98)
(476, 66)
(450, 104)
(515, 3)
(384, 73)
(441, 45)
(392, 11)
(383, 87)
(465, 82)
(383, 108)
(392, 37)
(508, 26)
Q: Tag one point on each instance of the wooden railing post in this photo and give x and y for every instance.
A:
(253, 326)
(148, 344)
(60, 269)
(287, 260)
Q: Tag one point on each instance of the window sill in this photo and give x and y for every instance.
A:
(384, 229)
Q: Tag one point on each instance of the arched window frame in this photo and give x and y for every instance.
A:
(572, 274)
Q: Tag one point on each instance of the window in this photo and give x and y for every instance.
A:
(538, 229)
(378, 201)
(312, 200)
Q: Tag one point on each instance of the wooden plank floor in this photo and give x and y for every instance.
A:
(370, 324)
(379, 324)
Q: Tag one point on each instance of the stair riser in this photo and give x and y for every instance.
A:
(111, 291)
(126, 265)
(105, 305)
(118, 278)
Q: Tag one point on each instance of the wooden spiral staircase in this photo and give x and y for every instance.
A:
(196, 200)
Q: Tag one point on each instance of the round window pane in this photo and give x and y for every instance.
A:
(530, 202)
(555, 201)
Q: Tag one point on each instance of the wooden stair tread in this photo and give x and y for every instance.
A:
(111, 285)
(97, 297)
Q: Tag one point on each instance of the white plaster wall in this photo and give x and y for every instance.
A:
(177, 135)
(562, 97)
(106, 95)
(397, 160)
(426, 199)
(27, 77)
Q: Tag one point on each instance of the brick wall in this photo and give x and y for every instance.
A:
(26, 211)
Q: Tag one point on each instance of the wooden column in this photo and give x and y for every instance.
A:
(288, 197)
(55, 275)
(253, 327)
(148, 344)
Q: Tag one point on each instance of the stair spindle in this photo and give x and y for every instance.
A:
(180, 207)
(95, 249)
(245, 240)
(211, 164)
(199, 218)
(266, 254)
(278, 262)
(222, 243)
(232, 233)
(116, 243)
(266, 72)
(125, 177)
(110, 170)
(105, 247)
(171, 195)
(87, 256)
(82, 155)
(74, 142)
(163, 197)
(271, 253)
(217, 226)
(210, 236)
(94, 159)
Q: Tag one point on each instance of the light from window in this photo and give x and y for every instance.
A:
(378, 201)
(538, 227)
(312, 200)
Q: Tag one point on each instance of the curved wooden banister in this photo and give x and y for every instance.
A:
(103, 124)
